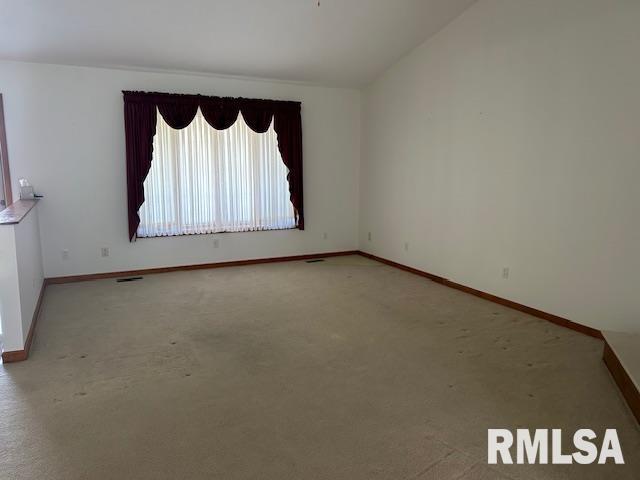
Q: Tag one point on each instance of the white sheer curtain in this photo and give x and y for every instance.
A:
(204, 180)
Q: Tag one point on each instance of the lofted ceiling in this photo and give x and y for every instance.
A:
(340, 42)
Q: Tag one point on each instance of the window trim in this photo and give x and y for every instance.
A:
(221, 232)
(4, 160)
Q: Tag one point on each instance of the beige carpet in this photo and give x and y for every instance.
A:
(343, 369)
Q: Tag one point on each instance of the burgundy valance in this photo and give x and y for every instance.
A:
(220, 112)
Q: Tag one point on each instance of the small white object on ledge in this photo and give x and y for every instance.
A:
(26, 189)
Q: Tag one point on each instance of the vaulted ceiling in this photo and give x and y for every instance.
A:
(339, 42)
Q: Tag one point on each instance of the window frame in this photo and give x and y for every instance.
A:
(4, 160)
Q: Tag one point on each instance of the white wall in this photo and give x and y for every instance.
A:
(21, 278)
(10, 315)
(30, 270)
(512, 138)
(65, 134)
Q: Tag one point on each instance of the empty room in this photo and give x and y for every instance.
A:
(320, 239)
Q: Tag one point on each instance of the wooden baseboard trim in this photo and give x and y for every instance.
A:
(14, 356)
(20, 355)
(199, 266)
(623, 380)
(563, 322)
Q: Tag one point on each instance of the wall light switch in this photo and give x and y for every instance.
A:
(216, 242)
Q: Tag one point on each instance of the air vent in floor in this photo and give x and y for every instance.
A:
(129, 279)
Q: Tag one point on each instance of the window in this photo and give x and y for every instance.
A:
(204, 180)
(207, 181)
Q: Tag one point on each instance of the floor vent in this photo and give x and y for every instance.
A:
(316, 261)
(129, 279)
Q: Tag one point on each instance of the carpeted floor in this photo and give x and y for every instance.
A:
(343, 369)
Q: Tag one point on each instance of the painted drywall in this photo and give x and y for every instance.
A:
(65, 134)
(512, 139)
(10, 314)
(30, 270)
(21, 278)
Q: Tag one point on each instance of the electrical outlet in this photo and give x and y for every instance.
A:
(216, 242)
(325, 236)
(369, 236)
(65, 254)
(505, 272)
(104, 252)
(406, 246)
